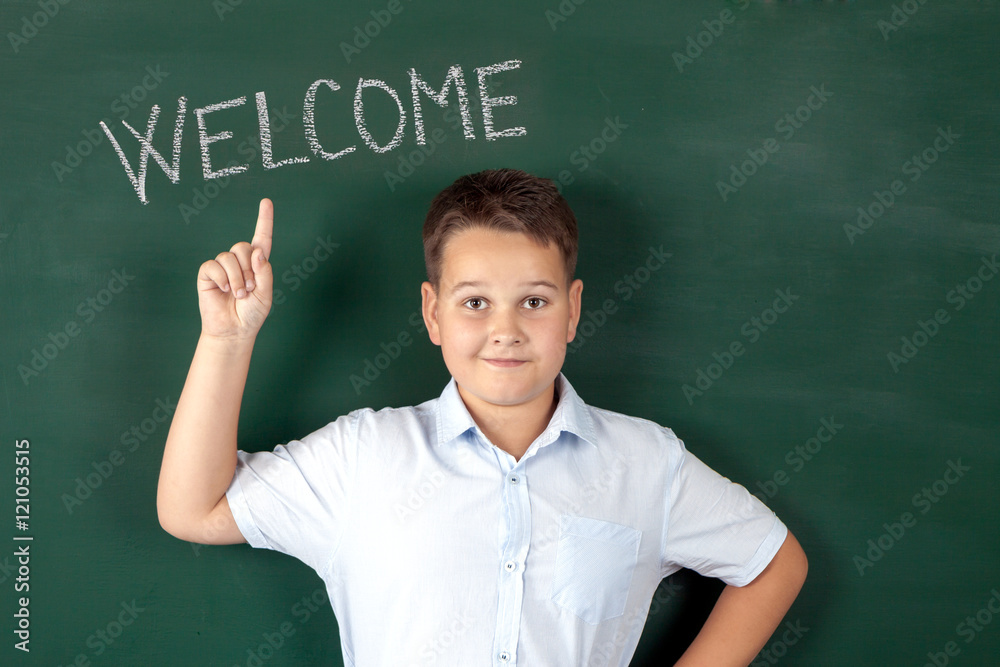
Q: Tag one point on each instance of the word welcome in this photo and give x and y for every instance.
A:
(455, 79)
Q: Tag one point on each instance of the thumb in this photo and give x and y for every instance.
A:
(262, 273)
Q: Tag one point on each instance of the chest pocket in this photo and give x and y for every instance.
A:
(594, 565)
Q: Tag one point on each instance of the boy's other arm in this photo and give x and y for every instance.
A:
(745, 617)
(199, 458)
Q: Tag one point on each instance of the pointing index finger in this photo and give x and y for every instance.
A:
(265, 227)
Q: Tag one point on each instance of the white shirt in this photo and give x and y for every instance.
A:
(438, 548)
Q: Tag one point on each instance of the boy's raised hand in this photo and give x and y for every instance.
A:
(234, 289)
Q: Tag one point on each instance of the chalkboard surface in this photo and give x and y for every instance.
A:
(789, 229)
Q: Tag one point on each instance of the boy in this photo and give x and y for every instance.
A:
(546, 524)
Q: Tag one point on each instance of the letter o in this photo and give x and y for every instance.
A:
(907, 4)
(378, 29)
(215, 190)
(600, 146)
(112, 633)
(104, 297)
(640, 272)
(943, 487)
(85, 144)
(310, 261)
(138, 93)
(94, 485)
(919, 336)
(977, 281)
(426, 490)
(871, 210)
(45, 351)
(779, 645)
(989, 616)
(753, 166)
(583, 329)
(707, 34)
(379, 358)
(262, 648)
(714, 376)
(45, 19)
(773, 318)
(23, 623)
(319, 597)
(152, 425)
(798, 113)
(414, 158)
(934, 155)
(887, 546)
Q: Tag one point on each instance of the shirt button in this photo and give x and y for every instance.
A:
(510, 566)
(504, 656)
(514, 479)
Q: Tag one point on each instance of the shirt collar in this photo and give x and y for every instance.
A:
(572, 415)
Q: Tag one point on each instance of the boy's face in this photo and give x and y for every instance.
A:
(502, 315)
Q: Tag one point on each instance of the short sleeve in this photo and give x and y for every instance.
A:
(297, 498)
(716, 527)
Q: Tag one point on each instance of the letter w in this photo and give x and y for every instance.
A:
(172, 172)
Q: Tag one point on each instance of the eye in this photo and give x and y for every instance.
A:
(475, 303)
(534, 302)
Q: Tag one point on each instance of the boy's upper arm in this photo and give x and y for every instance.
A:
(220, 526)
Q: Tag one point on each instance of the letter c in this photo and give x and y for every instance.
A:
(309, 122)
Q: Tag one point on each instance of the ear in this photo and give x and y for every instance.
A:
(428, 299)
(575, 300)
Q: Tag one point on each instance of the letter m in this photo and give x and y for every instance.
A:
(172, 171)
(456, 78)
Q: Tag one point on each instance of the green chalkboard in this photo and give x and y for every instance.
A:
(821, 178)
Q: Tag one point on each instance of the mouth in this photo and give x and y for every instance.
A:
(505, 363)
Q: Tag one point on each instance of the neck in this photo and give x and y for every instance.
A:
(513, 428)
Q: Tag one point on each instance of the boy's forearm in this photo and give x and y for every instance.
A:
(199, 457)
(744, 618)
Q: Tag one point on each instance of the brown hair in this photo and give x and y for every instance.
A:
(505, 200)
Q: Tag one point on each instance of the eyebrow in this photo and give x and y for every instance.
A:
(477, 284)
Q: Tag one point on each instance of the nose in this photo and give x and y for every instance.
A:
(506, 328)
